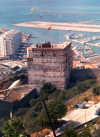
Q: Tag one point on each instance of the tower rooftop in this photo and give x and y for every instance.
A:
(47, 45)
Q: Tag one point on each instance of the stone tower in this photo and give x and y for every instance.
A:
(48, 63)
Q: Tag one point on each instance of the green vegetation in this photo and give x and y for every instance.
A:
(14, 128)
(86, 99)
(56, 110)
(38, 117)
(34, 115)
(65, 95)
(70, 132)
(96, 89)
(47, 89)
(85, 133)
(96, 128)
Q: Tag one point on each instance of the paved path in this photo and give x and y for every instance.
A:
(81, 116)
(78, 117)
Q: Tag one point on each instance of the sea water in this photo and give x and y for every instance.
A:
(17, 11)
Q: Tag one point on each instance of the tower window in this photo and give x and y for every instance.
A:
(54, 54)
(42, 54)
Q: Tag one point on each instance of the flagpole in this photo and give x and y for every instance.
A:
(50, 28)
(51, 36)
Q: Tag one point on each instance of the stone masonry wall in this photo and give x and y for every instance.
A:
(49, 66)
(82, 74)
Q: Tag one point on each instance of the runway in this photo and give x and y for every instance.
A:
(61, 26)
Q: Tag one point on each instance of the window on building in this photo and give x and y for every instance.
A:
(54, 54)
(42, 54)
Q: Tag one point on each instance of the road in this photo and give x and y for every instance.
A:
(78, 117)
(81, 116)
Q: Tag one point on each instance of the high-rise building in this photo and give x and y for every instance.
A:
(48, 63)
(10, 41)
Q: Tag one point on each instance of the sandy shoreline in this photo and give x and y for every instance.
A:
(61, 26)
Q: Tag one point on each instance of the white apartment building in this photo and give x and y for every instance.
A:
(10, 41)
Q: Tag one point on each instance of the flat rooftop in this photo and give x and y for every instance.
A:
(47, 45)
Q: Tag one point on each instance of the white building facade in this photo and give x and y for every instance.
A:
(10, 41)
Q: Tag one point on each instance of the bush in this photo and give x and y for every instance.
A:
(14, 128)
(80, 88)
(32, 102)
(38, 106)
(96, 90)
(86, 99)
(65, 95)
(85, 133)
(21, 112)
(31, 115)
(60, 94)
(85, 85)
(56, 110)
(70, 132)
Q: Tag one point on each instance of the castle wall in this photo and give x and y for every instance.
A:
(5, 106)
(50, 65)
(82, 74)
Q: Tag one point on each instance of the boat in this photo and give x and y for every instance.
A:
(41, 16)
(87, 48)
(31, 10)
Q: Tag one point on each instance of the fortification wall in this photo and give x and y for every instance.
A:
(82, 74)
(5, 106)
(50, 65)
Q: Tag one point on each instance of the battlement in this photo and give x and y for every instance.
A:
(49, 63)
(48, 45)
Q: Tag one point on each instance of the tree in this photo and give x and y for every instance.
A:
(70, 132)
(85, 133)
(47, 89)
(14, 128)
(96, 89)
(56, 110)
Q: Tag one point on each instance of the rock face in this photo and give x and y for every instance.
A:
(51, 63)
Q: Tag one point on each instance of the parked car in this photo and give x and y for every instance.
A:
(80, 106)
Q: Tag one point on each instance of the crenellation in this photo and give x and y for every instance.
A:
(50, 64)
